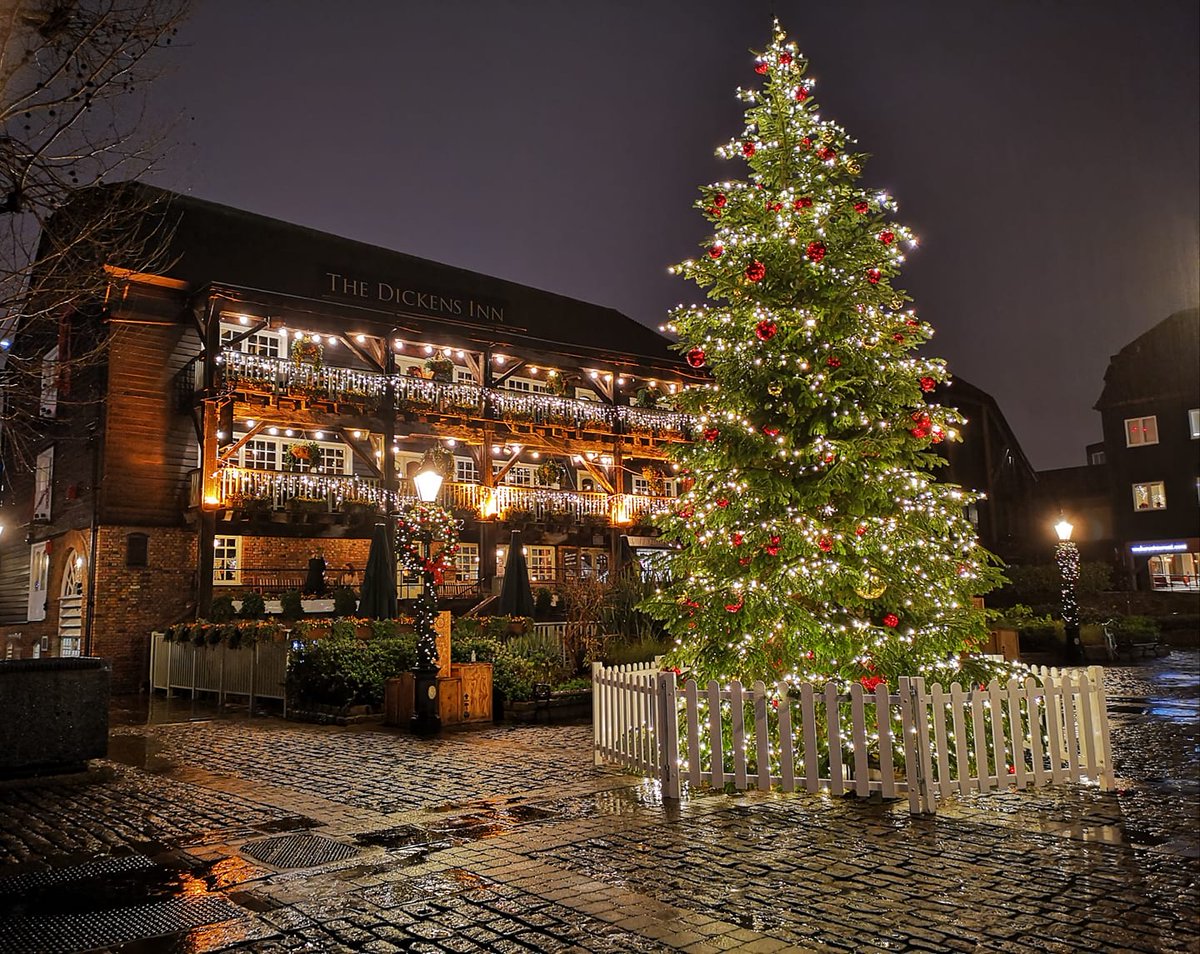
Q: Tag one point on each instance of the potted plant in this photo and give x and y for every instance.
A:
(519, 519)
(649, 397)
(303, 455)
(550, 473)
(440, 368)
(560, 385)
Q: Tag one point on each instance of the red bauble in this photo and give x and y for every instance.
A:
(770, 431)
(898, 337)
(756, 271)
(806, 142)
(920, 431)
(887, 238)
(735, 607)
(719, 200)
(912, 322)
(743, 561)
(830, 457)
(804, 202)
(859, 530)
(801, 94)
(785, 59)
(695, 357)
(826, 153)
(714, 212)
(833, 361)
(715, 251)
(765, 330)
(736, 538)
(710, 434)
(937, 435)
(815, 251)
(928, 383)
(825, 544)
(873, 275)
(760, 68)
(722, 502)
(772, 547)
(687, 511)
(870, 683)
(748, 149)
(891, 620)
(862, 208)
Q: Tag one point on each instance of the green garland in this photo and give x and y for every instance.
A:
(420, 525)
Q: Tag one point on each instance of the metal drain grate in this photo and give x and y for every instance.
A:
(298, 851)
(96, 929)
(28, 881)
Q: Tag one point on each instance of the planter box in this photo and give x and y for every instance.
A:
(56, 711)
(561, 707)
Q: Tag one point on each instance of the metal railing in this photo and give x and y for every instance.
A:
(279, 376)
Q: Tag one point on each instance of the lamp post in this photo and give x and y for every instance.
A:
(1066, 555)
(426, 720)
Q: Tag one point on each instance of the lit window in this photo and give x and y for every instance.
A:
(541, 564)
(1150, 496)
(465, 471)
(1194, 423)
(227, 561)
(466, 562)
(1140, 431)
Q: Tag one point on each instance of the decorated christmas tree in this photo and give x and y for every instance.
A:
(815, 543)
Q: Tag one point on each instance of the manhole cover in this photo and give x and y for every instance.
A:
(298, 851)
(90, 930)
(30, 881)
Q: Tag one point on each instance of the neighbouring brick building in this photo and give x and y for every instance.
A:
(1150, 407)
(270, 391)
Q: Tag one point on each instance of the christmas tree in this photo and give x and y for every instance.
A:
(814, 541)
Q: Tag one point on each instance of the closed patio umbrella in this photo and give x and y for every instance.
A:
(378, 597)
(516, 597)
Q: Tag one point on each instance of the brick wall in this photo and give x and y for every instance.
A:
(132, 601)
(292, 553)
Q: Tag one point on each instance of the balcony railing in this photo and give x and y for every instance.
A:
(278, 376)
(267, 490)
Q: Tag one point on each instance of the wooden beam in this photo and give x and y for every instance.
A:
(247, 333)
(364, 455)
(597, 474)
(497, 382)
(508, 465)
(474, 365)
(225, 456)
(363, 353)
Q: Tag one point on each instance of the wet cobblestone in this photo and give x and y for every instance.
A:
(510, 840)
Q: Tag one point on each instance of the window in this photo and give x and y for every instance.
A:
(260, 454)
(137, 549)
(1097, 458)
(641, 486)
(39, 581)
(541, 564)
(1140, 431)
(1194, 423)
(463, 376)
(584, 563)
(519, 475)
(1150, 496)
(333, 459)
(227, 561)
(265, 344)
(466, 562)
(465, 471)
(43, 480)
(49, 406)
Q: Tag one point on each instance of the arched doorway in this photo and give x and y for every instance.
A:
(70, 606)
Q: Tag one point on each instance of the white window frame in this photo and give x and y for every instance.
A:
(466, 471)
(43, 484)
(519, 475)
(1097, 458)
(264, 344)
(39, 581)
(540, 561)
(1137, 429)
(466, 562)
(258, 444)
(1194, 423)
(1148, 490)
(49, 402)
(227, 561)
(641, 487)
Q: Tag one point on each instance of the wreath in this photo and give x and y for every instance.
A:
(306, 351)
(418, 526)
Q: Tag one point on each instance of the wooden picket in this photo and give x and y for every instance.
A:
(1045, 730)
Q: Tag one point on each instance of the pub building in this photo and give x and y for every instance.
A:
(268, 395)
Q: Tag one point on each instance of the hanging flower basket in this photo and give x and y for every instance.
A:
(560, 386)
(303, 455)
(656, 480)
(440, 369)
(550, 473)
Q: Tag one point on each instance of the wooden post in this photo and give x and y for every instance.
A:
(599, 712)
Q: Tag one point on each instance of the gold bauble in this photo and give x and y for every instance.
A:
(826, 135)
(872, 586)
(853, 168)
(774, 389)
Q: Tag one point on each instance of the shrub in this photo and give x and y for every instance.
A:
(253, 606)
(541, 603)
(1041, 583)
(345, 602)
(513, 677)
(1135, 629)
(222, 610)
(290, 605)
(345, 671)
(619, 653)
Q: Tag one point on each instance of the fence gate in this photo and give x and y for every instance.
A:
(922, 742)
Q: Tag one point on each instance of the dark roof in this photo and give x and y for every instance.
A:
(963, 396)
(1162, 362)
(218, 245)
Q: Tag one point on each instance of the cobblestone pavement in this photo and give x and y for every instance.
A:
(511, 840)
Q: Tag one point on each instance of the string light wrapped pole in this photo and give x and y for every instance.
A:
(1066, 555)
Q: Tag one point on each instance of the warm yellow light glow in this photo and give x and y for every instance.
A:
(1063, 528)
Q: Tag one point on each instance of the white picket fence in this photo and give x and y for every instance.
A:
(923, 742)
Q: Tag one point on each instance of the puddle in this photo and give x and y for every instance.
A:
(489, 822)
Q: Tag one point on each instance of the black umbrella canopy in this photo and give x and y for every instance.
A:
(516, 597)
(378, 597)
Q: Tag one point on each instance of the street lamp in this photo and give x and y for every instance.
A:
(1066, 555)
(426, 719)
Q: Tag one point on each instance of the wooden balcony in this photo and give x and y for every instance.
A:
(350, 389)
(265, 491)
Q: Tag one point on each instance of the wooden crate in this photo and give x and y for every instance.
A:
(398, 700)
(476, 691)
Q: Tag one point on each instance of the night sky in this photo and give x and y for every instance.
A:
(1046, 152)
